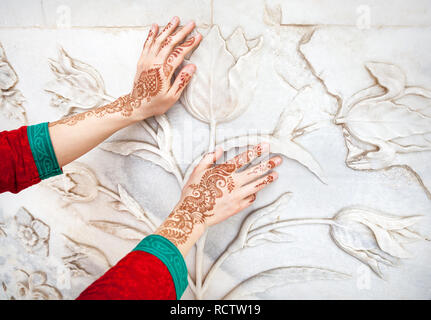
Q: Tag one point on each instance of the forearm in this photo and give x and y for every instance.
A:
(181, 230)
(74, 136)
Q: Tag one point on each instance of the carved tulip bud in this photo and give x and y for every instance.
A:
(77, 184)
(224, 82)
(373, 237)
(384, 120)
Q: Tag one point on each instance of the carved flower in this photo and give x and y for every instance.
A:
(77, 184)
(374, 237)
(34, 287)
(77, 85)
(8, 77)
(33, 233)
(11, 99)
(386, 119)
(223, 85)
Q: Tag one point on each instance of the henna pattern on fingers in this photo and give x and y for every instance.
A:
(253, 197)
(168, 40)
(262, 168)
(150, 36)
(168, 26)
(184, 79)
(265, 181)
(168, 65)
(244, 158)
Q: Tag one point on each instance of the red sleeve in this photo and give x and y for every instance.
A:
(138, 276)
(17, 167)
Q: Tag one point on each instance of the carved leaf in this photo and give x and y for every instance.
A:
(77, 84)
(118, 230)
(164, 133)
(385, 121)
(266, 280)
(90, 252)
(140, 149)
(211, 96)
(135, 209)
(388, 76)
(275, 236)
(2, 232)
(263, 216)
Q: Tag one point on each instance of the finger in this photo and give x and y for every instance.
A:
(248, 200)
(152, 34)
(259, 184)
(249, 155)
(209, 159)
(176, 57)
(182, 80)
(258, 170)
(179, 35)
(165, 37)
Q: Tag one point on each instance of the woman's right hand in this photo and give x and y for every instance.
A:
(215, 192)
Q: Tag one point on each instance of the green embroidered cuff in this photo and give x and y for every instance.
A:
(42, 150)
(169, 254)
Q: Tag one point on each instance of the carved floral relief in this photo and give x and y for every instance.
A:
(379, 123)
(11, 99)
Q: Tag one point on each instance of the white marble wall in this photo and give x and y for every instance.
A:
(342, 89)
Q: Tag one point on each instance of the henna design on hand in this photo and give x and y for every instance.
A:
(194, 208)
(167, 66)
(244, 158)
(168, 26)
(124, 104)
(148, 85)
(266, 181)
(150, 36)
(184, 78)
(197, 207)
(262, 168)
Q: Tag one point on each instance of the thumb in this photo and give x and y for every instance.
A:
(182, 80)
(210, 158)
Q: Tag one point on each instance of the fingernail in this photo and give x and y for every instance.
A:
(191, 68)
(274, 175)
(190, 23)
(174, 19)
(264, 147)
(277, 160)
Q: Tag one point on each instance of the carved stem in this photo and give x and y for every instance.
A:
(288, 223)
(262, 229)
